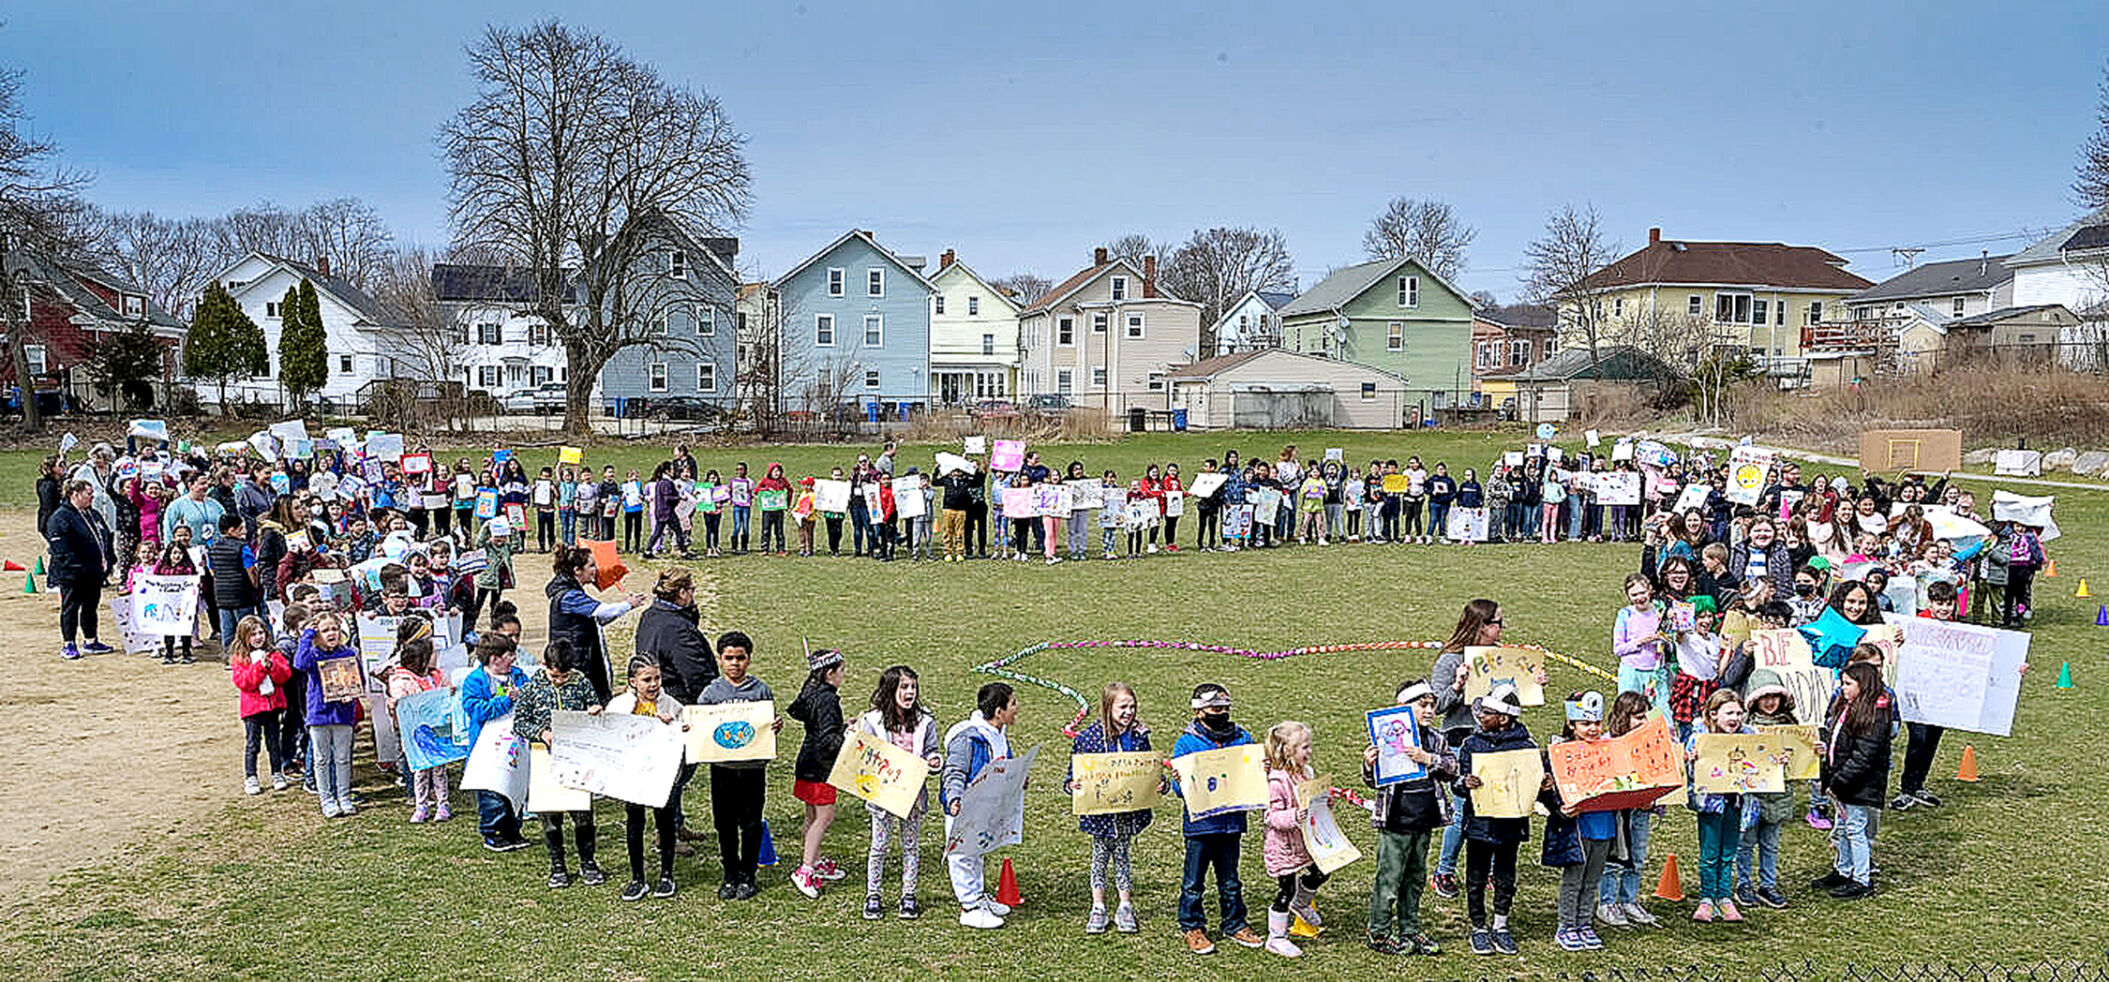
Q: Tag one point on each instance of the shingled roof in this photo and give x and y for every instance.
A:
(1941, 279)
(1756, 264)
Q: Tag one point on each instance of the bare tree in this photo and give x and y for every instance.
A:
(427, 342)
(1428, 231)
(351, 234)
(1024, 288)
(262, 227)
(1559, 264)
(1216, 267)
(568, 148)
(2091, 184)
(1133, 246)
(171, 258)
(39, 210)
(1482, 299)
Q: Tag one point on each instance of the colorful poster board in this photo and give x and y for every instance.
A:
(1395, 730)
(1786, 652)
(1330, 848)
(879, 772)
(1509, 783)
(1618, 487)
(1497, 666)
(1467, 525)
(1748, 469)
(1220, 781)
(165, 606)
(1692, 498)
(1627, 771)
(633, 758)
(1115, 782)
(992, 808)
(974, 446)
(342, 679)
(768, 499)
(1804, 762)
(570, 455)
(1960, 676)
(1008, 456)
(1020, 503)
(1737, 763)
(425, 724)
(728, 731)
(496, 762)
(1396, 484)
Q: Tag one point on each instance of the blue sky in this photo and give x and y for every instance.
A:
(1021, 134)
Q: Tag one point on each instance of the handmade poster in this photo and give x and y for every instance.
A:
(1020, 503)
(1336, 453)
(1889, 636)
(1322, 838)
(879, 772)
(333, 590)
(387, 746)
(1395, 730)
(831, 495)
(1138, 515)
(772, 500)
(324, 484)
(1053, 499)
(1206, 485)
(974, 446)
(705, 499)
(801, 510)
(288, 431)
(1555, 454)
(1960, 676)
(301, 449)
(1910, 450)
(570, 455)
(872, 504)
(487, 503)
(69, 441)
(342, 436)
(457, 659)
(417, 463)
(1748, 468)
(2024, 510)
(1174, 504)
(1237, 521)
(1497, 666)
(1512, 458)
(1692, 498)
(1227, 779)
(384, 446)
(1508, 783)
(1629, 771)
(1088, 493)
(1786, 652)
(729, 731)
(266, 445)
(1265, 504)
(165, 606)
(1115, 782)
(464, 486)
(634, 758)
(949, 462)
(145, 429)
(502, 527)
(494, 763)
(1804, 763)
(425, 723)
(722, 493)
(1737, 763)
(342, 680)
(1467, 525)
(1622, 450)
(544, 794)
(1618, 488)
(1353, 491)
(516, 516)
(1396, 484)
(1648, 453)
(1009, 455)
(1684, 616)
(992, 808)
(1592, 438)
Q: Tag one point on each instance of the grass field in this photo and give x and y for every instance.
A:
(2005, 872)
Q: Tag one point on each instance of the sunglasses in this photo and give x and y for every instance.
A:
(1496, 621)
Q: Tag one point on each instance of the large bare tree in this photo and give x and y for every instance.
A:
(171, 258)
(39, 209)
(1133, 246)
(351, 234)
(1216, 267)
(2091, 183)
(1558, 265)
(1024, 288)
(1428, 231)
(568, 146)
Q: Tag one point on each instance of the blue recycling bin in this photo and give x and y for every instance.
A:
(871, 412)
(1178, 420)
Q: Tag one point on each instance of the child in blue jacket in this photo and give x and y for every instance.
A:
(969, 746)
(1490, 843)
(487, 696)
(1212, 841)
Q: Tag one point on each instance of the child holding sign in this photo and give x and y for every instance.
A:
(414, 673)
(1296, 877)
(1720, 817)
(898, 716)
(644, 697)
(737, 787)
(1212, 842)
(1855, 743)
(969, 746)
(1579, 843)
(819, 707)
(260, 675)
(559, 684)
(1490, 843)
(335, 683)
(1770, 704)
(1117, 730)
(1406, 817)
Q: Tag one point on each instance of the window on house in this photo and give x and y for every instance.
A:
(824, 330)
(1779, 314)
(874, 330)
(1694, 305)
(1098, 376)
(1065, 330)
(1135, 325)
(542, 375)
(1098, 323)
(1156, 381)
(344, 364)
(1065, 381)
(739, 322)
(134, 306)
(1395, 336)
(875, 282)
(1732, 308)
(271, 308)
(1618, 306)
(38, 359)
(706, 322)
(1815, 311)
(1958, 306)
(1759, 314)
(538, 334)
(29, 305)
(1409, 291)
(973, 306)
(1120, 288)
(487, 376)
(988, 344)
(834, 281)
(871, 379)
(1369, 391)
(937, 304)
(1519, 353)
(706, 377)
(489, 333)
(677, 264)
(657, 376)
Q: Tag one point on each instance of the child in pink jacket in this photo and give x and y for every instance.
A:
(1297, 879)
(260, 675)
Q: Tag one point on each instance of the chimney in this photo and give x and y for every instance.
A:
(1149, 276)
(1655, 235)
(945, 261)
(322, 265)
(1984, 261)
(1098, 256)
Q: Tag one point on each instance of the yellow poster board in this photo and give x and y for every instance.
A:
(544, 794)
(730, 731)
(1737, 763)
(1396, 484)
(1509, 783)
(570, 455)
(1329, 847)
(1227, 779)
(1803, 761)
(1492, 666)
(879, 772)
(1115, 782)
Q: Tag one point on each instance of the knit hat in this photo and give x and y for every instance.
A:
(1588, 709)
(1502, 700)
(1766, 682)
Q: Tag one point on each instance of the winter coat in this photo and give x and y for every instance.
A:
(1283, 847)
(79, 543)
(969, 746)
(1421, 804)
(535, 701)
(249, 678)
(1856, 768)
(483, 701)
(819, 707)
(1450, 702)
(1499, 831)
(308, 659)
(686, 662)
(576, 617)
(1771, 807)
(1195, 740)
(1779, 567)
(1093, 741)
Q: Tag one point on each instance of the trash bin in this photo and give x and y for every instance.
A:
(871, 412)
(1179, 420)
(1138, 420)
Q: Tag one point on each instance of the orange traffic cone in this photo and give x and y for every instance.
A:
(1007, 886)
(2051, 570)
(14, 567)
(1968, 771)
(1669, 887)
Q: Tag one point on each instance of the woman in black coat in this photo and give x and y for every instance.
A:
(80, 558)
(668, 631)
(49, 496)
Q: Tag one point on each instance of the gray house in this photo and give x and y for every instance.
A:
(688, 312)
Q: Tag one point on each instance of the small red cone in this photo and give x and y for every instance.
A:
(1007, 886)
(14, 567)
(1670, 887)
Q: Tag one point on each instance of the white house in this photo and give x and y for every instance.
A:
(1252, 323)
(502, 347)
(2069, 266)
(1954, 288)
(973, 336)
(353, 322)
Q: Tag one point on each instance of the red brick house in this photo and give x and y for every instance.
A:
(70, 308)
(1509, 339)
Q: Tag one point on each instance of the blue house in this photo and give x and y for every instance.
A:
(687, 305)
(855, 329)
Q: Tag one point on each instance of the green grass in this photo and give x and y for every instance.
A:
(2004, 873)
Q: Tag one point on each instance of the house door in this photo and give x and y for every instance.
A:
(949, 388)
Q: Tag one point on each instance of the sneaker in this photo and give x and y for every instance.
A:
(96, 648)
(1830, 881)
(189, 659)
(1903, 802)
(1771, 897)
(1151, 548)
(910, 910)
(1051, 560)
(745, 890)
(590, 875)
(72, 653)
(1124, 919)
(1638, 915)
(807, 884)
(1425, 945)
(1817, 821)
(1281, 945)
(493, 845)
(347, 807)
(1244, 936)
(1386, 945)
(1444, 885)
(664, 888)
(979, 918)
(1705, 913)
(330, 809)
(249, 786)
(634, 891)
(1746, 895)
(727, 891)
(1569, 939)
(278, 782)
(996, 907)
(1926, 798)
(1504, 942)
(1589, 938)
(1482, 941)
(1853, 890)
(1198, 943)
(1096, 923)
(517, 843)
(1611, 914)
(558, 879)
(443, 813)
(1729, 912)
(827, 870)
(873, 910)
(420, 815)
(165, 659)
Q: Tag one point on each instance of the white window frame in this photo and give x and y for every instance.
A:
(490, 338)
(875, 281)
(1065, 381)
(937, 304)
(823, 330)
(344, 364)
(1369, 392)
(488, 377)
(988, 344)
(1519, 353)
(871, 378)
(875, 326)
(134, 305)
(38, 357)
(706, 318)
(1695, 305)
(837, 281)
(1736, 304)
(1760, 311)
(1119, 286)
(538, 334)
(271, 309)
(655, 377)
(677, 264)
(1409, 291)
(1099, 322)
(1098, 376)
(1958, 306)
(1135, 326)
(706, 376)
(1395, 336)
(1815, 311)
(1065, 331)
(973, 306)
(1155, 381)
(541, 375)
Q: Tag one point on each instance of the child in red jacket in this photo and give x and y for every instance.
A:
(260, 674)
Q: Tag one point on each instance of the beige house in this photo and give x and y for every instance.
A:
(1280, 389)
(1106, 338)
(973, 336)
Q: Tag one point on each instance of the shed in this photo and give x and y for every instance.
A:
(1561, 387)
(1280, 389)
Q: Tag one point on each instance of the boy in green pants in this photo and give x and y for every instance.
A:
(1407, 815)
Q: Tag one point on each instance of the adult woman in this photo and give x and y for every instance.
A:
(51, 495)
(575, 616)
(1479, 624)
(271, 546)
(80, 558)
(668, 631)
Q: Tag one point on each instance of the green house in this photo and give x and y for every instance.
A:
(1392, 314)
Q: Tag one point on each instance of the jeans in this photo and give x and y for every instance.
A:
(1925, 742)
(1575, 512)
(230, 617)
(859, 524)
(1621, 882)
(739, 527)
(1718, 835)
(1484, 862)
(1439, 519)
(1453, 839)
(1219, 852)
(495, 817)
(1760, 841)
(1080, 533)
(568, 526)
(1410, 515)
(711, 520)
(330, 762)
(545, 529)
(1580, 884)
(261, 727)
(1854, 838)
(632, 530)
(1402, 872)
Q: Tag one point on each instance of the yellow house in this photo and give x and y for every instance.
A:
(1756, 296)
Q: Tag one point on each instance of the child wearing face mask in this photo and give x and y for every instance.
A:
(1212, 842)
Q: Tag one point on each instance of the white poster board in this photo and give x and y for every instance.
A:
(907, 497)
(1206, 485)
(1467, 525)
(1960, 676)
(1748, 469)
(1692, 498)
(497, 762)
(165, 606)
(1618, 488)
(992, 809)
(634, 758)
(831, 495)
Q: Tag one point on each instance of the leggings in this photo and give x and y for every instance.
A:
(633, 839)
(329, 761)
(883, 824)
(77, 604)
(261, 727)
(978, 529)
(581, 833)
(440, 519)
(168, 651)
(1549, 522)
(428, 787)
(1211, 527)
(710, 529)
(1022, 533)
(1484, 861)
(632, 530)
(1109, 853)
(1171, 530)
(736, 811)
(482, 596)
(834, 535)
(545, 529)
(1285, 886)
(292, 727)
(1411, 516)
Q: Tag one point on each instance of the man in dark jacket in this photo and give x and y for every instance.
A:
(80, 557)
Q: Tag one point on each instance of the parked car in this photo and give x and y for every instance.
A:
(993, 409)
(518, 401)
(683, 407)
(550, 397)
(1051, 405)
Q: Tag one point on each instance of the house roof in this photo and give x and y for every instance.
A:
(1062, 290)
(1940, 280)
(1208, 368)
(1527, 315)
(1622, 363)
(1347, 283)
(856, 233)
(1000, 296)
(1770, 264)
(336, 286)
(2090, 232)
(459, 282)
(67, 280)
(2000, 316)
(1277, 299)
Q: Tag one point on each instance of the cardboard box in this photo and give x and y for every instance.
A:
(1889, 451)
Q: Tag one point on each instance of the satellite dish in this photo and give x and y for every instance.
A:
(1343, 322)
